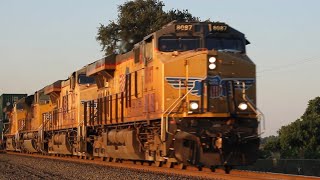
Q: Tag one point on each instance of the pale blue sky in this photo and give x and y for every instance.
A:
(43, 41)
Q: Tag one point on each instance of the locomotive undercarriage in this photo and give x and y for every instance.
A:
(27, 142)
(205, 142)
(212, 142)
(131, 141)
(11, 144)
(200, 142)
(61, 142)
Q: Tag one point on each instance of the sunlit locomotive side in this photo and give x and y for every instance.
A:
(26, 123)
(63, 131)
(186, 94)
(17, 114)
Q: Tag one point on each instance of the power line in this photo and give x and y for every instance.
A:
(277, 68)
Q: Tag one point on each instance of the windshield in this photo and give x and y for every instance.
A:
(226, 44)
(83, 79)
(167, 44)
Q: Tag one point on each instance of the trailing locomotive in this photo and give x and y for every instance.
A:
(186, 94)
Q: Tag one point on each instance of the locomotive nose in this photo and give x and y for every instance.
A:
(190, 149)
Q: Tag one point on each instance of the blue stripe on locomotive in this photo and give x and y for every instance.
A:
(177, 82)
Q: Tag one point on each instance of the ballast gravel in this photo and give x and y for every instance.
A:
(16, 167)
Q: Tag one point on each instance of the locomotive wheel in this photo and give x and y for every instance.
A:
(213, 169)
(227, 169)
(182, 166)
(159, 163)
(169, 164)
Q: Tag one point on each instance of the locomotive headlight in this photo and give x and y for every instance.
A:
(194, 105)
(212, 63)
(212, 59)
(212, 66)
(243, 106)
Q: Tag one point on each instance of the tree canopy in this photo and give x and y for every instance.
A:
(301, 138)
(136, 19)
(270, 147)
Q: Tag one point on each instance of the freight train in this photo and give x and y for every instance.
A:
(185, 94)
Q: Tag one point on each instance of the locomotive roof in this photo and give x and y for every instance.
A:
(174, 28)
(219, 29)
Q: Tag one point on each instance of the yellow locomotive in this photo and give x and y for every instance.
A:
(63, 126)
(26, 123)
(186, 94)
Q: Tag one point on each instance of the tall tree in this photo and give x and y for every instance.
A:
(136, 19)
(301, 139)
(270, 147)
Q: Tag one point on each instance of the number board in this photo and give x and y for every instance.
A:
(219, 28)
(184, 27)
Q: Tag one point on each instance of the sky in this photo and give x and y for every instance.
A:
(44, 41)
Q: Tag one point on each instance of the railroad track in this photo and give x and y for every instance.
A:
(175, 170)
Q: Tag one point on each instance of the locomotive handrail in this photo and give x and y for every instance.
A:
(22, 125)
(17, 136)
(40, 131)
(45, 125)
(259, 113)
(173, 106)
(7, 129)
